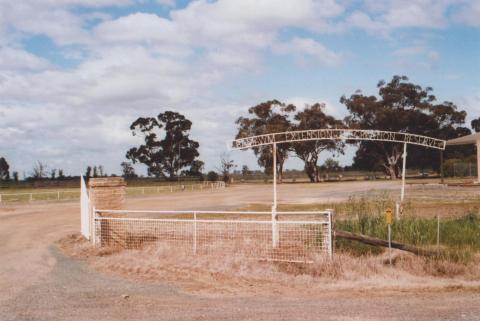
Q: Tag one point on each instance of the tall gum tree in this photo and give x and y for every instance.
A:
(314, 117)
(167, 146)
(268, 117)
(476, 125)
(401, 106)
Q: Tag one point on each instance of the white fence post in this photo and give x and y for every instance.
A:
(330, 233)
(85, 211)
(397, 211)
(275, 231)
(194, 232)
(94, 226)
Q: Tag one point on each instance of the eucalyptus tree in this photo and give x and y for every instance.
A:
(476, 124)
(401, 106)
(314, 117)
(268, 117)
(4, 169)
(167, 147)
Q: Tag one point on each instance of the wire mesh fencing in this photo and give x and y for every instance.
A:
(288, 236)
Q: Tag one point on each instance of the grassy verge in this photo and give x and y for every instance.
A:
(459, 228)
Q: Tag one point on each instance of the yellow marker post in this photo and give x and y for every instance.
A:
(389, 216)
(389, 221)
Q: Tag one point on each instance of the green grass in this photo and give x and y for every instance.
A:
(459, 233)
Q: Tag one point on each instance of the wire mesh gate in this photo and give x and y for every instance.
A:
(292, 236)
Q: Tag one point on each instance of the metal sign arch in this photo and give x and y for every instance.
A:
(337, 134)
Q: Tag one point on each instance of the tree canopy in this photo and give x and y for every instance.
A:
(4, 169)
(127, 170)
(476, 124)
(268, 117)
(314, 117)
(167, 146)
(401, 106)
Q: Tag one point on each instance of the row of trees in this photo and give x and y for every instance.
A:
(39, 171)
(400, 106)
(275, 116)
(95, 171)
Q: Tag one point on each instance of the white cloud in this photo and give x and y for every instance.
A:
(141, 64)
(12, 59)
(167, 3)
(337, 111)
(145, 28)
(386, 16)
(310, 49)
(469, 13)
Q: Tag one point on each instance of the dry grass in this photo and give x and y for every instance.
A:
(236, 275)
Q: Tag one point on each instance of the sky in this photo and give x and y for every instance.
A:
(75, 74)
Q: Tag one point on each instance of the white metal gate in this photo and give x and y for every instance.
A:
(294, 236)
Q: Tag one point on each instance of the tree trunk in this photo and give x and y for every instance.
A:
(391, 171)
(379, 242)
(280, 171)
(309, 170)
(391, 163)
(317, 174)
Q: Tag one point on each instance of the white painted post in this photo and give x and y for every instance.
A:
(143, 190)
(58, 195)
(275, 232)
(275, 175)
(390, 243)
(330, 233)
(194, 232)
(478, 161)
(0, 198)
(438, 233)
(404, 169)
(397, 211)
(31, 197)
(93, 226)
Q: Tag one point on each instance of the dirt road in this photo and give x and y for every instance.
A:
(37, 282)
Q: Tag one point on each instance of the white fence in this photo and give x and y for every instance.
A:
(39, 196)
(206, 186)
(290, 236)
(63, 195)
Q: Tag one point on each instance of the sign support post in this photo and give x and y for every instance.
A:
(389, 221)
(404, 169)
(275, 233)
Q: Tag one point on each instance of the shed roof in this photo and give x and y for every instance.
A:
(465, 140)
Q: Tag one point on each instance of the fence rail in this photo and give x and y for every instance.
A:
(63, 195)
(288, 236)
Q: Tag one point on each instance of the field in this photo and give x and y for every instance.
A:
(49, 273)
